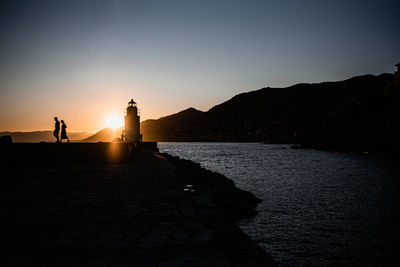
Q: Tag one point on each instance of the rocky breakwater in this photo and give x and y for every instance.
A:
(154, 211)
(219, 203)
(231, 201)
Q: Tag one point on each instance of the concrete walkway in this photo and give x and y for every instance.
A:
(140, 214)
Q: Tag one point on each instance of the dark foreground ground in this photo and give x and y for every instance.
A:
(155, 211)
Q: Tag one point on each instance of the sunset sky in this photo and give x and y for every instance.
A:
(84, 60)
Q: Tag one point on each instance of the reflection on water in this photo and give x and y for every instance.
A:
(319, 208)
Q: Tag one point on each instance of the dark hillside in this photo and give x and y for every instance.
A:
(358, 112)
(105, 135)
(182, 126)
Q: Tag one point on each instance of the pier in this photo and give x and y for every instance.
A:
(100, 205)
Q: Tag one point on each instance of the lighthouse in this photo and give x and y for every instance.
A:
(132, 123)
(397, 73)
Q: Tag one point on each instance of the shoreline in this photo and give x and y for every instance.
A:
(157, 210)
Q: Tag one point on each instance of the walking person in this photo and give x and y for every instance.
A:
(63, 131)
(56, 129)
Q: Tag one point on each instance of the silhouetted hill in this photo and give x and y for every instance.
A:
(358, 112)
(171, 125)
(104, 135)
(176, 127)
(42, 136)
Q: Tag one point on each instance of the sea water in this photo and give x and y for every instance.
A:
(319, 208)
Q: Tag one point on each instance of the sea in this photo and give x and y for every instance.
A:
(319, 208)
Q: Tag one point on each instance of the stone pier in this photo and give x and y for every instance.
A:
(150, 211)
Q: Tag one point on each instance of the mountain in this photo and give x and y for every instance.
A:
(177, 127)
(153, 128)
(42, 136)
(104, 135)
(358, 112)
(361, 112)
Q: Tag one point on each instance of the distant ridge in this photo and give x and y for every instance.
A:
(104, 135)
(357, 112)
(175, 127)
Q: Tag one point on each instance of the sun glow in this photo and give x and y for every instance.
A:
(114, 121)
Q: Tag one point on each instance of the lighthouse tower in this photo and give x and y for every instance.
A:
(397, 73)
(132, 123)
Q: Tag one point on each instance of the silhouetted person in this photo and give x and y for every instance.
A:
(123, 136)
(56, 129)
(63, 131)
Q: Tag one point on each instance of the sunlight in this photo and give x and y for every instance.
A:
(114, 121)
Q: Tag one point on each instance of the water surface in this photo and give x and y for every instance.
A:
(319, 208)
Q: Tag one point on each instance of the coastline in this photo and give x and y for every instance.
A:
(158, 210)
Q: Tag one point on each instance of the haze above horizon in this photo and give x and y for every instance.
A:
(84, 60)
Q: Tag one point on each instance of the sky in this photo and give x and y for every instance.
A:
(84, 60)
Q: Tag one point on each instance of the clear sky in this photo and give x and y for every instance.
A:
(84, 60)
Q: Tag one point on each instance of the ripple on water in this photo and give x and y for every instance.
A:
(319, 208)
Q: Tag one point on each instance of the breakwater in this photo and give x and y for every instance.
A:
(156, 210)
(76, 153)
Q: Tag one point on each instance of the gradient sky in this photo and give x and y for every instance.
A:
(84, 60)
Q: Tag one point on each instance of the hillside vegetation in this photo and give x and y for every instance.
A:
(358, 112)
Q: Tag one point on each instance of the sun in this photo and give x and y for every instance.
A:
(114, 121)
